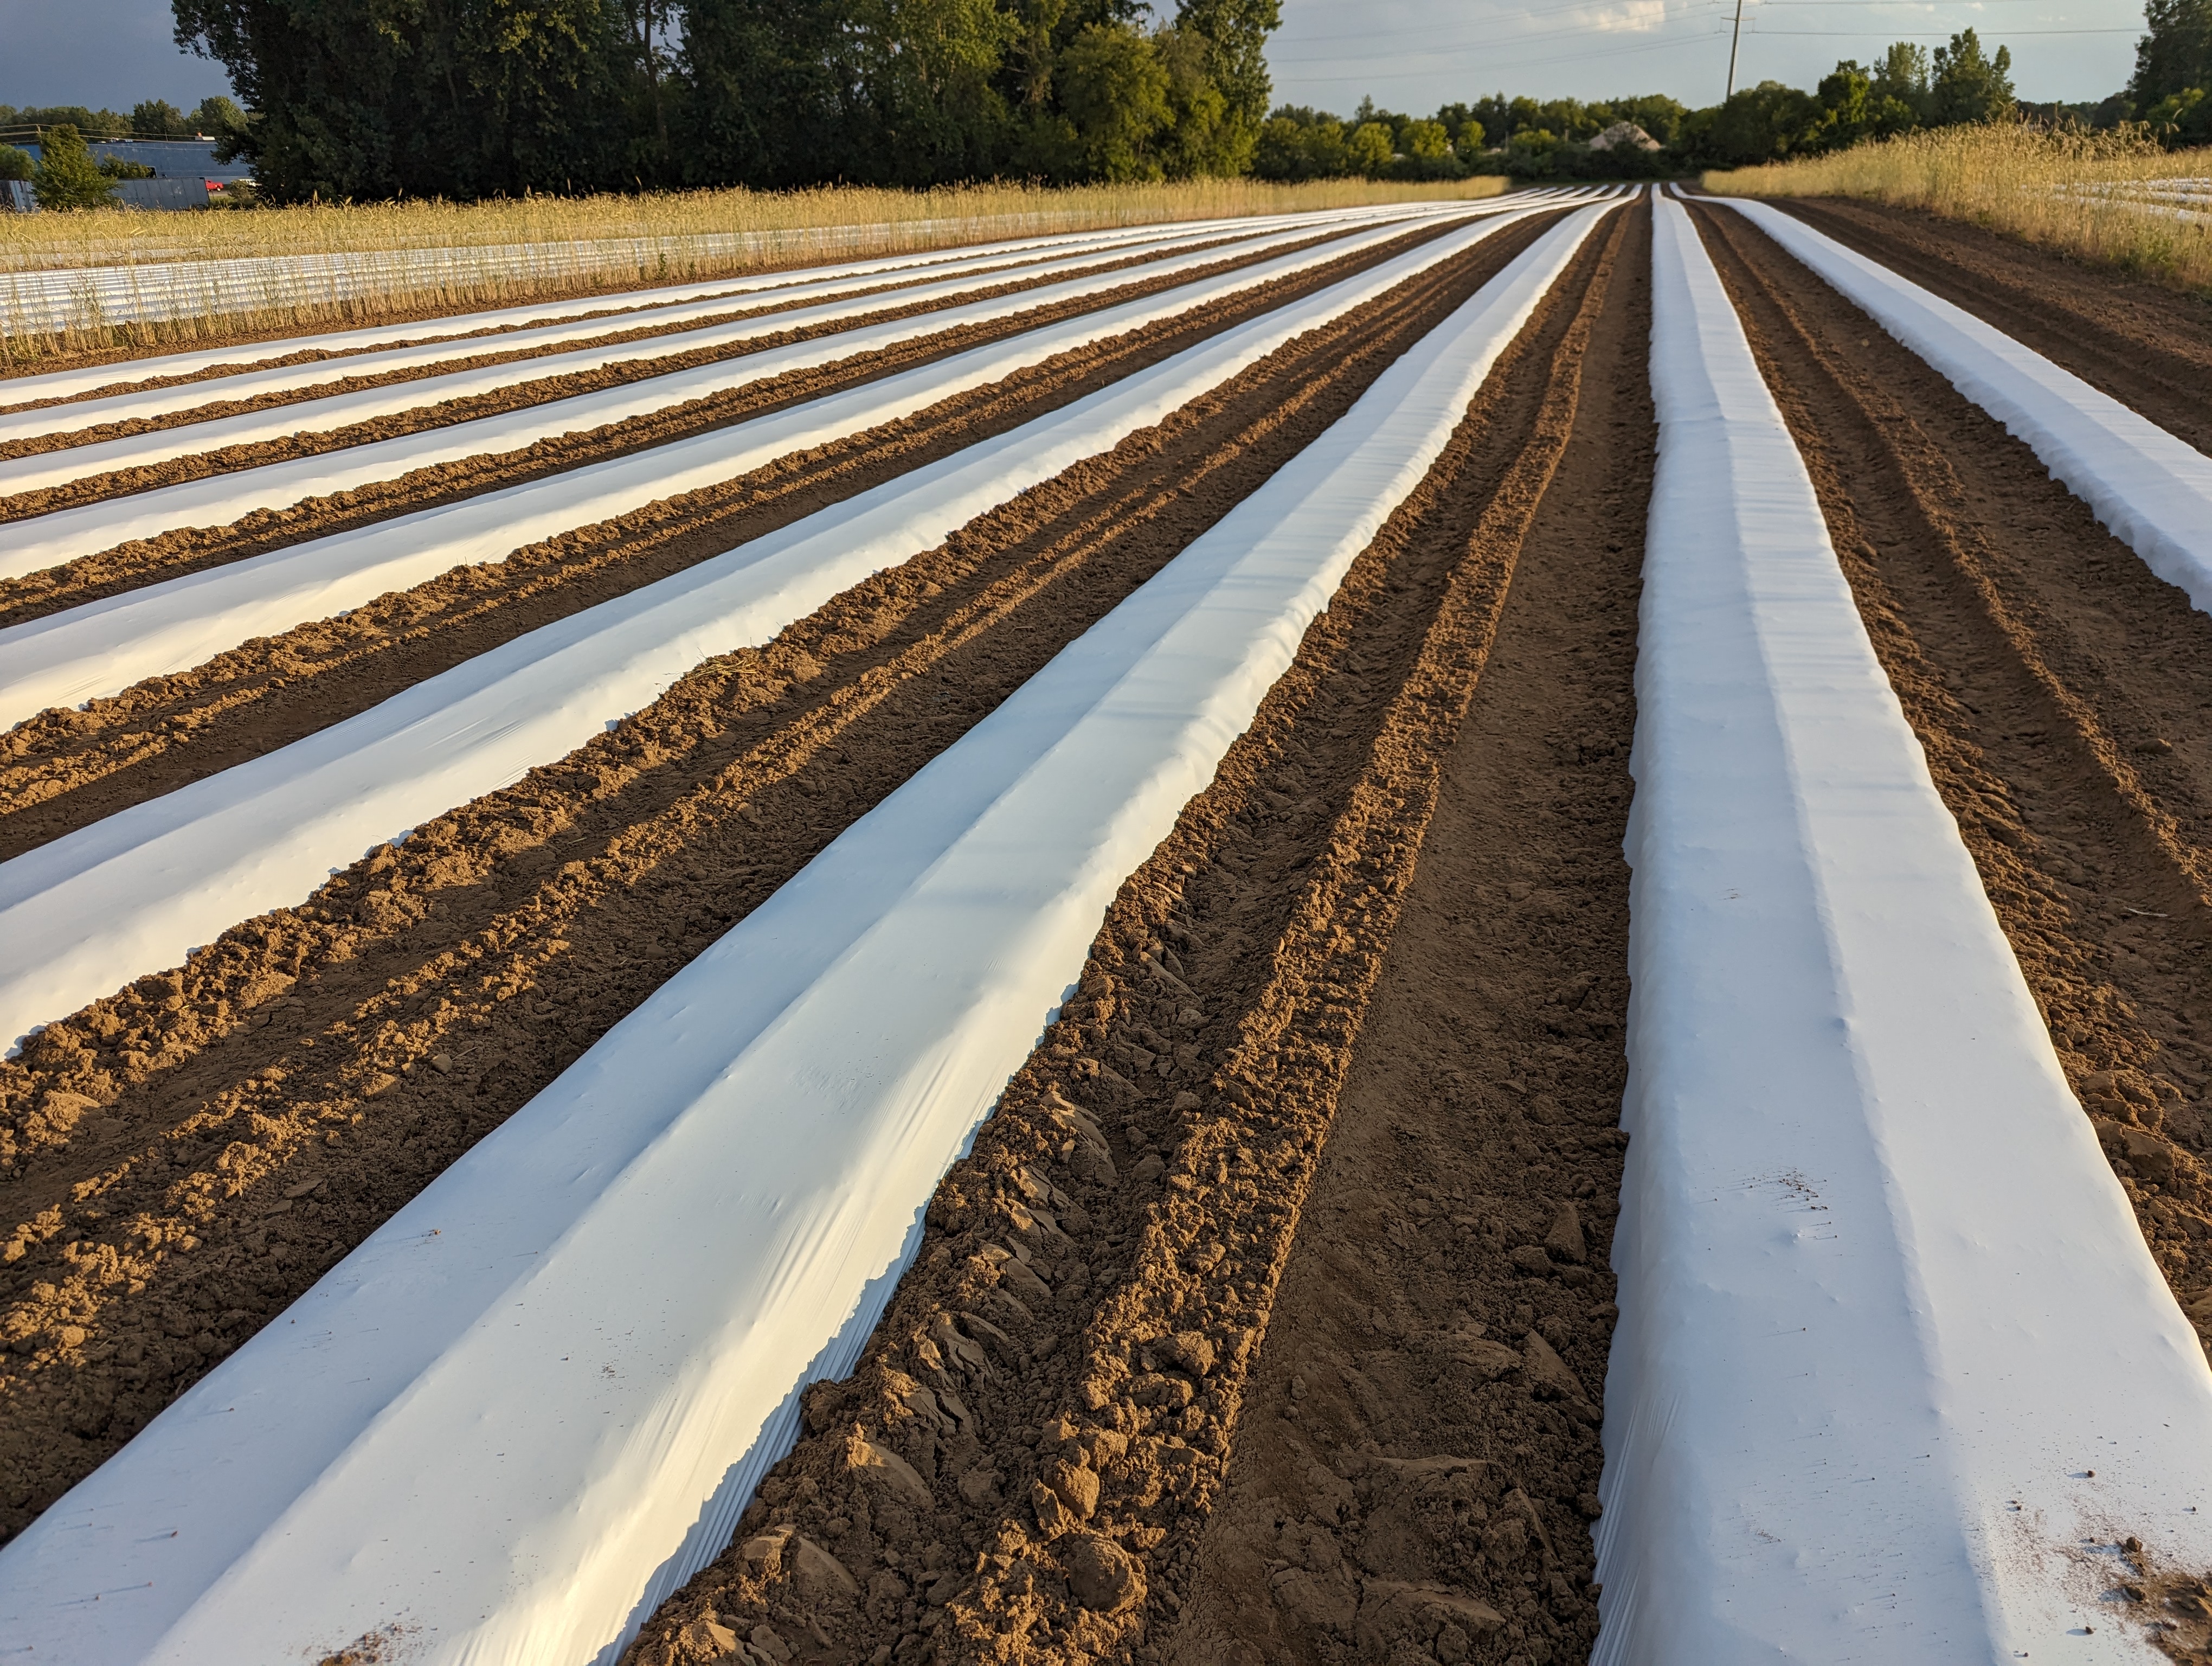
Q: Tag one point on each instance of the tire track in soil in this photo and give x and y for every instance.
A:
(2147, 346)
(1419, 1456)
(68, 768)
(2042, 667)
(1022, 1464)
(141, 561)
(178, 1162)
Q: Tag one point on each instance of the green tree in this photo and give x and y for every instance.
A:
(158, 119)
(454, 98)
(17, 163)
(2175, 53)
(1532, 153)
(1114, 88)
(2182, 118)
(1302, 143)
(67, 177)
(1967, 87)
(1902, 75)
(1235, 34)
(1467, 139)
(217, 116)
(771, 95)
(1206, 138)
(1762, 124)
(1851, 110)
(1369, 151)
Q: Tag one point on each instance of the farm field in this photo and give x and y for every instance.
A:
(1454, 931)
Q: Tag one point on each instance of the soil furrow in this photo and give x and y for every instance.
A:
(1419, 1458)
(640, 332)
(2147, 346)
(1023, 1464)
(138, 561)
(67, 768)
(2058, 689)
(178, 1162)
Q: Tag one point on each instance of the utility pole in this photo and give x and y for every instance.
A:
(1734, 41)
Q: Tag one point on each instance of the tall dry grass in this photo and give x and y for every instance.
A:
(589, 245)
(2064, 190)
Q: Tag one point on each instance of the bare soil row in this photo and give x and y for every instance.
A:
(179, 1162)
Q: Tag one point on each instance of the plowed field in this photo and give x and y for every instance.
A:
(1268, 1318)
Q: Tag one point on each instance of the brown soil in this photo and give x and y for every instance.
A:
(182, 1159)
(68, 767)
(145, 561)
(1023, 1466)
(2059, 689)
(686, 418)
(2146, 345)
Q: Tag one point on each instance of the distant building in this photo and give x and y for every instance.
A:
(185, 173)
(1624, 135)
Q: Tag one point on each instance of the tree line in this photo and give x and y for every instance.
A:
(465, 98)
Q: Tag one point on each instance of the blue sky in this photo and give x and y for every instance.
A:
(1410, 54)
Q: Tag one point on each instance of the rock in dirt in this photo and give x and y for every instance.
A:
(2148, 1155)
(1488, 1360)
(817, 1572)
(1100, 1575)
(1533, 1260)
(1054, 1517)
(1392, 1612)
(1564, 1240)
(1077, 1484)
(707, 1639)
(1547, 1374)
(1189, 1350)
(866, 1457)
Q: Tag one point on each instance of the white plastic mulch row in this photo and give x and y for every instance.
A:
(1895, 1369)
(137, 890)
(43, 471)
(666, 315)
(538, 1396)
(86, 296)
(64, 535)
(2153, 490)
(96, 649)
(609, 309)
(580, 320)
